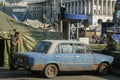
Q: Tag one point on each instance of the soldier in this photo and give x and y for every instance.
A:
(111, 44)
(13, 48)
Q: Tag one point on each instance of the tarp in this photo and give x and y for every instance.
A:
(34, 23)
(28, 39)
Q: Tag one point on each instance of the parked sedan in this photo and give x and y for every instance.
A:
(53, 56)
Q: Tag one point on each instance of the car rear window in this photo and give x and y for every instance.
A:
(42, 47)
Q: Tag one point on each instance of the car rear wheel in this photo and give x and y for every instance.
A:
(104, 69)
(50, 71)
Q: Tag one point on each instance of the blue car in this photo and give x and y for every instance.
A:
(52, 56)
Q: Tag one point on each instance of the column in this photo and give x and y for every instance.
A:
(106, 8)
(85, 7)
(97, 7)
(68, 30)
(89, 7)
(110, 7)
(70, 7)
(101, 7)
(92, 7)
(81, 7)
(113, 7)
(78, 3)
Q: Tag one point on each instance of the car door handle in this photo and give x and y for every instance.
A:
(77, 56)
(57, 56)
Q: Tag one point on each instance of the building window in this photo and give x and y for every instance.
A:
(72, 7)
(68, 7)
(76, 7)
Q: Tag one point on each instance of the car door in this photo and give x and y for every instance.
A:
(64, 56)
(84, 59)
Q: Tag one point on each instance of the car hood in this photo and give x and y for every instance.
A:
(103, 57)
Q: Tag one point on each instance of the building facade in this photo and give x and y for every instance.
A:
(41, 10)
(95, 9)
(17, 12)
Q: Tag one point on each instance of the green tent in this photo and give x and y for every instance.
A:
(29, 37)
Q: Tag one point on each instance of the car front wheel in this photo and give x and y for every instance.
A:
(104, 69)
(50, 71)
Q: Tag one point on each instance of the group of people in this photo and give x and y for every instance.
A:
(105, 39)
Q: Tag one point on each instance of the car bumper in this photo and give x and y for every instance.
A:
(36, 67)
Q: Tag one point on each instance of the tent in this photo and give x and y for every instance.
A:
(29, 37)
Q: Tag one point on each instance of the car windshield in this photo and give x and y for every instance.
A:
(42, 47)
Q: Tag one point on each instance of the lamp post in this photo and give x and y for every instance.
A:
(61, 21)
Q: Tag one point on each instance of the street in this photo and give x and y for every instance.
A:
(6, 74)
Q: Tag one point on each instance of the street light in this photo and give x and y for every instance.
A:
(61, 22)
(62, 12)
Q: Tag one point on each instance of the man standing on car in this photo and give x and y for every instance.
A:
(13, 48)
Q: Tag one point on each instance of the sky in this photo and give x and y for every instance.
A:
(2, 0)
(21, 0)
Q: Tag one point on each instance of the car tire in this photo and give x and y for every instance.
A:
(104, 69)
(50, 71)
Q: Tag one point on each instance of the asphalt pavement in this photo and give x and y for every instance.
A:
(114, 71)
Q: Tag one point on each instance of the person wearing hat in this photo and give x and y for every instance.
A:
(13, 48)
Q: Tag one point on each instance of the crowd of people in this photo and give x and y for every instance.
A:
(111, 43)
(100, 40)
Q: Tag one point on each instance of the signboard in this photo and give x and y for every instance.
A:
(84, 39)
(116, 37)
(76, 16)
(19, 10)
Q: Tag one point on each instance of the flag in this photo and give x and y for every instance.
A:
(44, 17)
(15, 17)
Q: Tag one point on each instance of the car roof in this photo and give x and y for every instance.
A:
(64, 41)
